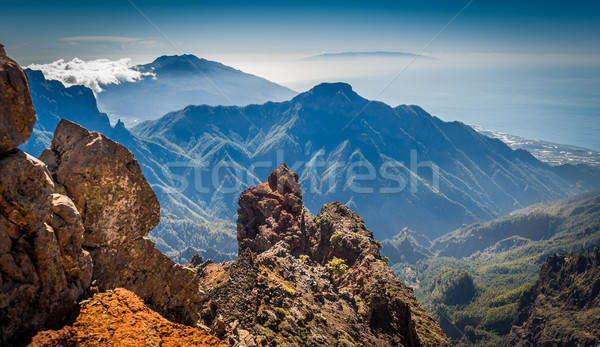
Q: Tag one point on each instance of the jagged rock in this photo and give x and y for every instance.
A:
(272, 212)
(166, 286)
(106, 183)
(121, 318)
(281, 291)
(561, 309)
(119, 209)
(43, 267)
(65, 337)
(17, 115)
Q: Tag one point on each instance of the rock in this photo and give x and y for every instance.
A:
(280, 290)
(17, 115)
(42, 264)
(167, 287)
(65, 337)
(121, 318)
(561, 309)
(106, 183)
(272, 212)
(119, 208)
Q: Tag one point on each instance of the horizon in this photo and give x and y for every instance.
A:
(507, 67)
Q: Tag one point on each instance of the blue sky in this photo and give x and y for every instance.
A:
(41, 31)
(530, 68)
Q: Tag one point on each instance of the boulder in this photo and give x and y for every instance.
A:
(43, 268)
(106, 183)
(17, 115)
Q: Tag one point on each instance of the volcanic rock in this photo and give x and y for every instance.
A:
(42, 264)
(561, 309)
(17, 115)
(323, 284)
(119, 208)
(106, 183)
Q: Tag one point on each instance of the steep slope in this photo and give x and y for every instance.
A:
(78, 218)
(365, 154)
(500, 259)
(120, 317)
(184, 222)
(178, 81)
(308, 280)
(563, 306)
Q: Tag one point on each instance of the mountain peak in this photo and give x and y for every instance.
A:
(337, 93)
(185, 63)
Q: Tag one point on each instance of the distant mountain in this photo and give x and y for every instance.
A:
(501, 259)
(377, 54)
(319, 133)
(179, 81)
(199, 159)
(181, 218)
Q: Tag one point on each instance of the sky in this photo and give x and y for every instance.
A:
(495, 59)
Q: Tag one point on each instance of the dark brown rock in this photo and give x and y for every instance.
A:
(285, 290)
(561, 309)
(43, 268)
(106, 183)
(17, 115)
(65, 337)
(119, 208)
(272, 212)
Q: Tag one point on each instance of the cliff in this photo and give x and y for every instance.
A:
(308, 280)
(562, 308)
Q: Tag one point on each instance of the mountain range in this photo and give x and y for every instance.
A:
(474, 278)
(173, 82)
(346, 148)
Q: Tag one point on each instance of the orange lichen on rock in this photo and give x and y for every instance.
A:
(120, 318)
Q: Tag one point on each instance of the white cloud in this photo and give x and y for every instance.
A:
(92, 74)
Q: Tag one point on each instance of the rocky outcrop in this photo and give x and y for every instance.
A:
(44, 268)
(105, 182)
(308, 280)
(119, 209)
(120, 318)
(561, 309)
(273, 212)
(17, 116)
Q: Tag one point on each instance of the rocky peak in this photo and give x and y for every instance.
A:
(308, 280)
(272, 212)
(17, 115)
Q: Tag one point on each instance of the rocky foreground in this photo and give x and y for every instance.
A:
(74, 258)
(308, 280)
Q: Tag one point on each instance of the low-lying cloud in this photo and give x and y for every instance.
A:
(92, 74)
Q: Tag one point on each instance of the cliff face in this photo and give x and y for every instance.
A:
(80, 214)
(562, 308)
(303, 279)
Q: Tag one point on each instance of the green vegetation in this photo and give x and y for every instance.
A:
(474, 294)
(335, 239)
(378, 243)
(337, 266)
(290, 291)
(281, 312)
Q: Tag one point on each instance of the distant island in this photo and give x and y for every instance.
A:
(381, 54)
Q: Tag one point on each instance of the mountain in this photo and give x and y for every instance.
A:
(200, 158)
(354, 55)
(500, 259)
(181, 218)
(561, 309)
(179, 81)
(76, 267)
(364, 154)
(305, 280)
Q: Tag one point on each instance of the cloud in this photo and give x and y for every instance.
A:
(92, 74)
(108, 40)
